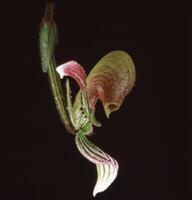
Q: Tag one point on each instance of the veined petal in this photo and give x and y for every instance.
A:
(106, 174)
(112, 78)
(75, 71)
(107, 167)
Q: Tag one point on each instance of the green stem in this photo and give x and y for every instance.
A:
(59, 96)
(69, 105)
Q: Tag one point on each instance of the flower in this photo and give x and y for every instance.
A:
(110, 81)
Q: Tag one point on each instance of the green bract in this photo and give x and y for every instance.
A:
(47, 37)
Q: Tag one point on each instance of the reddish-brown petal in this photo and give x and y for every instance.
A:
(74, 70)
(111, 80)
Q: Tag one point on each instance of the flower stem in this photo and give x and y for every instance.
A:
(48, 40)
(59, 96)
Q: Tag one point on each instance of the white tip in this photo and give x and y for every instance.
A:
(106, 175)
(94, 193)
(60, 71)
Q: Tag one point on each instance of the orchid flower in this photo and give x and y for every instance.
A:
(109, 81)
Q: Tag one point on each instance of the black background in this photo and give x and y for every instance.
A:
(148, 135)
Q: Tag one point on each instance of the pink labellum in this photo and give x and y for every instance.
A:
(75, 71)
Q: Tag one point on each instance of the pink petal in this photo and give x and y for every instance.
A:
(75, 71)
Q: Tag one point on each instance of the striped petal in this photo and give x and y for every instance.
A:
(107, 167)
(75, 71)
(111, 80)
(106, 174)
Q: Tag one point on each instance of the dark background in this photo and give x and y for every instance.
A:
(148, 135)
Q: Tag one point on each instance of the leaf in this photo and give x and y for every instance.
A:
(107, 167)
(110, 81)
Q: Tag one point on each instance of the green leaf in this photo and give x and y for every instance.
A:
(110, 81)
